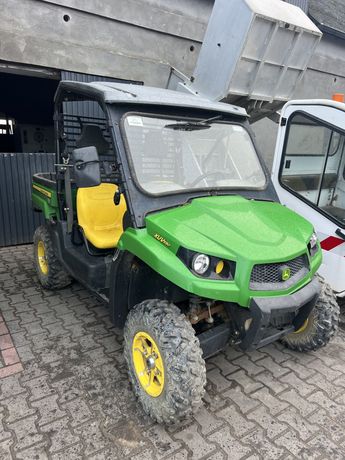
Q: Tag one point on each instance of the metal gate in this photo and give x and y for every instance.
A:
(17, 219)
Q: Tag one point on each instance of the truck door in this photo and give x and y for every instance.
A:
(309, 175)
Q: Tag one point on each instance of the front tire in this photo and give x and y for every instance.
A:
(48, 268)
(164, 361)
(321, 325)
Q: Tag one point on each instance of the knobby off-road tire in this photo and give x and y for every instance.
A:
(322, 323)
(49, 270)
(181, 357)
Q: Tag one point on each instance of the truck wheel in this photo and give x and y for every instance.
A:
(321, 325)
(164, 360)
(49, 270)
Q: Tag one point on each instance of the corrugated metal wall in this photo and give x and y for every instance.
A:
(17, 219)
(86, 78)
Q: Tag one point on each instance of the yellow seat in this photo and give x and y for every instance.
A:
(98, 216)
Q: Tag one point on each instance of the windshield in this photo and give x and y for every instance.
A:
(172, 155)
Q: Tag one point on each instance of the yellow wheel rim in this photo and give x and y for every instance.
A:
(303, 327)
(148, 364)
(42, 259)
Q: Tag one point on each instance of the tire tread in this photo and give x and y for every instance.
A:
(186, 368)
(326, 320)
(57, 277)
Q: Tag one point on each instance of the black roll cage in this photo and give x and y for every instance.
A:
(139, 204)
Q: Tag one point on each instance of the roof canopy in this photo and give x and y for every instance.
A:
(121, 93)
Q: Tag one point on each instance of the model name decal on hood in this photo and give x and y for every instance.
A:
(162, 240)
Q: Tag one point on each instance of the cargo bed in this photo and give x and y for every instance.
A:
(44, 197)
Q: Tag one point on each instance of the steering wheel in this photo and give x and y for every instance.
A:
(203, 176)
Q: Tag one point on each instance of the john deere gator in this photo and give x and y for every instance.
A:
(162, 207)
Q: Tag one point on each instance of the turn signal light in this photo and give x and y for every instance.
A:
(339, 97)
(219, 267)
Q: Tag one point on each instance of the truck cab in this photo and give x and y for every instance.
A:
(309, 175)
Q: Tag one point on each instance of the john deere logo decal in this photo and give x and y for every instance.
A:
(286, 273)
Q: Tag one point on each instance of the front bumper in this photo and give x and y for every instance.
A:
(274, 317)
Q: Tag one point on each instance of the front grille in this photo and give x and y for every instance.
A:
(268, 277)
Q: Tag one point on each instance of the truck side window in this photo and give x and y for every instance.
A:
(313, 164)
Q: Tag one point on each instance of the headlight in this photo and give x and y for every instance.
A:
(207, 266)
(313, 246)
(200, 263)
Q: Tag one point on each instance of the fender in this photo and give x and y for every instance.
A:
(134, 281)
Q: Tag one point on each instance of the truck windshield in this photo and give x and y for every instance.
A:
(168, 157)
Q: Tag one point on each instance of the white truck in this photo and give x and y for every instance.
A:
(309, 176)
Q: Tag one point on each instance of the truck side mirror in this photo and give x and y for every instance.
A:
(86, 167)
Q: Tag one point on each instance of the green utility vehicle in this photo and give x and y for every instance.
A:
(161, 206)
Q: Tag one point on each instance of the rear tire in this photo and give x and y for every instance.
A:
(179, 371)
(321, 325)
(49, 270)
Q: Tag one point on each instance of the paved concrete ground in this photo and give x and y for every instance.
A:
(73, 400)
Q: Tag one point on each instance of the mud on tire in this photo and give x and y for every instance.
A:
(322, 323)
(55, 276)
(184, 367)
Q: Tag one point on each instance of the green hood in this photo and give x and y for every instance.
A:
(233, 227)
(229, 227)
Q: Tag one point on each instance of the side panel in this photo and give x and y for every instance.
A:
(45, 200)
(91, 271)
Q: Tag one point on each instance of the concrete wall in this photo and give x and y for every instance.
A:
(130, 39)
(137, 40)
